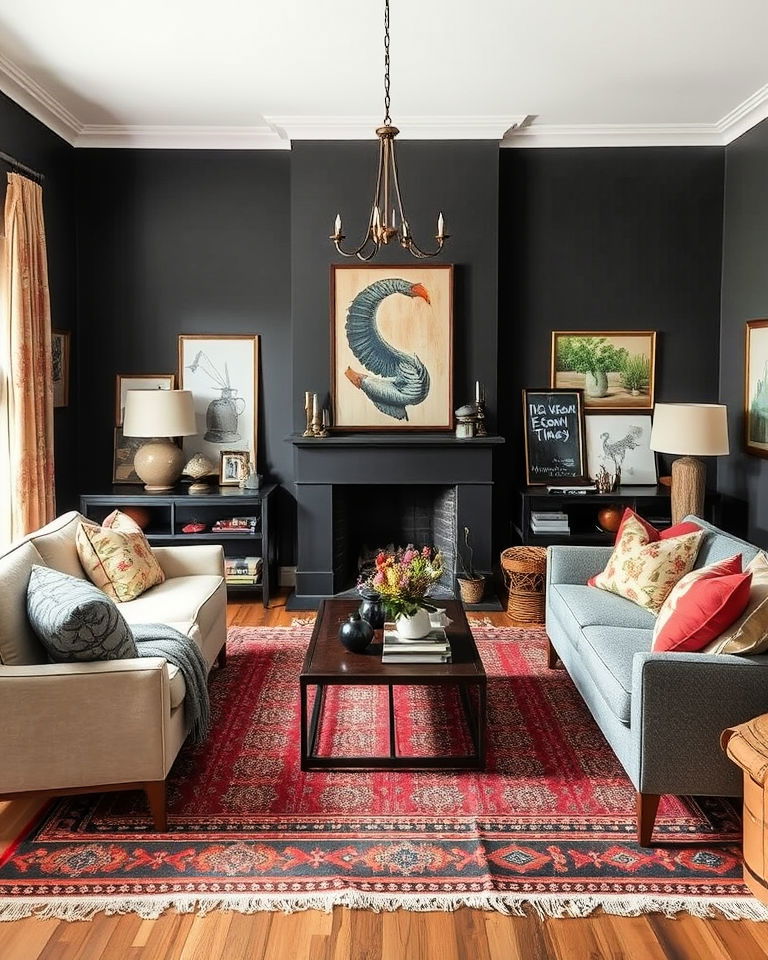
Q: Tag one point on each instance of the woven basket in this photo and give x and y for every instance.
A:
(525, 570)
(471, 590)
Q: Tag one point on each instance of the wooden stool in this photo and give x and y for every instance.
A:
(524, 570)
(747, 746)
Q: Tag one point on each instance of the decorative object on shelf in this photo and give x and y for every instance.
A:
(139, 381)
(383, 229)
(466, 420)
(158, 416)
(309, 400)
(60, 341)
(234, 467)
(371, 608)
(616, 369)
(222, 372)
(253, 480)
(471, 583)
(609, 518)
(553, 422)
(480, 429)
(140, 515)
(525, 572)
(194, 527)
(693, 430)
(198, 467)
(402, 578)
(756, 388)
(355, 633)
(317, 421)
(325, 423)
(607, 482)
(392, 347)
(621, 443)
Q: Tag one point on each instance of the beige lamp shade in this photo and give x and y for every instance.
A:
(159, 413)
(690, 429)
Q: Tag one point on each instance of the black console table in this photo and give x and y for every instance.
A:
(651, 503)
(169, 512)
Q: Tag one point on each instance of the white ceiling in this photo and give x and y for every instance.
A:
(229, 73)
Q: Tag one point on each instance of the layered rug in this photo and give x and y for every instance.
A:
(549, 825)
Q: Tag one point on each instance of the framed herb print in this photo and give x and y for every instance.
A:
(138, 381)
(60, 356)
(222, 371)
(616, 369)
(756, 388)
(553, 425)
(621, 442)
(392, 347)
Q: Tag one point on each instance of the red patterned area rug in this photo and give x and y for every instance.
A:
(548, 826)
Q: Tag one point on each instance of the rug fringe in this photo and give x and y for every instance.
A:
(518, 905)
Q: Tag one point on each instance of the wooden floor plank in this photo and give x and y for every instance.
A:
(470, 935)
(25, 939)
(634, 934)
(247, 936)
(207, 936)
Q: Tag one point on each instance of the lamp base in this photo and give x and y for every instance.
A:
(158, 464)
(689, 477)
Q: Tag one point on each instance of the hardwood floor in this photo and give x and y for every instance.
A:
(362, 935)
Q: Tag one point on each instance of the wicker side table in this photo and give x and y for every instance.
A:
(525, 570)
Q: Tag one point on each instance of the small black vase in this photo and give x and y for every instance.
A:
(356, 633)
(372, 609)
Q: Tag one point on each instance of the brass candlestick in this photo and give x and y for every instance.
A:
(325, 424)
(308, 410)
(316, 423)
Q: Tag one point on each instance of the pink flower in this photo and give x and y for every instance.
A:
(409, 555)
(426, 552)
(379, 579)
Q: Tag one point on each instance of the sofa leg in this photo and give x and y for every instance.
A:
(221, 656)
(647, 805)
(155, 791)
(552, 657)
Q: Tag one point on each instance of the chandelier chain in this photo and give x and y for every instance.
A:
(387, 117)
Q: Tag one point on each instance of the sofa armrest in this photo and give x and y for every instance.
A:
(681, 703)
(192, 560)
(568, 564)
(83, 724)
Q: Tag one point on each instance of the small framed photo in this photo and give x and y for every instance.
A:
(616, 369)
(138, 381)
(234, 467)
(60, 354)
(621, 442)
(756, 388)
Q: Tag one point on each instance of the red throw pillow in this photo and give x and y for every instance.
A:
(702, 606)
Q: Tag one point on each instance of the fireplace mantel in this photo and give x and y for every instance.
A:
(395, 440)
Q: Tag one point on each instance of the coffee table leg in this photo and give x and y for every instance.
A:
(392, 749)
(316, 711)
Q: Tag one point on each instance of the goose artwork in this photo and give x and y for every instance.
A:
(391, 379)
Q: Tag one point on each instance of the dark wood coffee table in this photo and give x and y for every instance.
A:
(327, 663)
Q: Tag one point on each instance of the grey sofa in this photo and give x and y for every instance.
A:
(662, 713)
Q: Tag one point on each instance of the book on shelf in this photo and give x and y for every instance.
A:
(242, 565)
(415, 658)
(236, 525)
(546, 515)
(549, 528)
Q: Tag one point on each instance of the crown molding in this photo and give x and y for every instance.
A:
(746, 115)
(35, 99)
(411, 128)
(180, 137)
(614, 135)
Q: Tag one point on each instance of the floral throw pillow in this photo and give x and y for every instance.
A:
(645, 571)
(117, 557)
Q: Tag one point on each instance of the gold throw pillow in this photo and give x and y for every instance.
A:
(117, 557)
(749, 635)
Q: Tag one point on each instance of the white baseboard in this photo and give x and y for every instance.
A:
(287, 576)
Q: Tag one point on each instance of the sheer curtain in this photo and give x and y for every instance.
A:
(26, 376)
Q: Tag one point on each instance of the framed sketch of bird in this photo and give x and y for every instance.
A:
(392, 347)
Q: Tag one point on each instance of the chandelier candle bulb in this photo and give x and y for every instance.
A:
(440, 226)
(337, 226)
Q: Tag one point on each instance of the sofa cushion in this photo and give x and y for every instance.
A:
(117, 557)
(607, 653)
(74, 620)
(55, 542)
(18, 642)
(188, 599)
(748, 635)
(590, 607)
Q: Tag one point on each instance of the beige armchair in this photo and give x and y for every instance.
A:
(115, 725)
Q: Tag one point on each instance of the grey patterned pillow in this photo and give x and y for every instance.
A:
(74, 620)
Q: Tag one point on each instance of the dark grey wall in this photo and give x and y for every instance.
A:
(745, 297)
(459, 178)
(29, 141)
(604, 239)
(174, 242)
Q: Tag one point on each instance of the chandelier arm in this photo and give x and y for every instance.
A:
(396, 183)
(359, 252)
(420, 254)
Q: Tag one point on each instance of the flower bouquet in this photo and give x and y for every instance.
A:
(402, 580)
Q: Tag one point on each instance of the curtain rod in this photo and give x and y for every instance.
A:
(22, 167)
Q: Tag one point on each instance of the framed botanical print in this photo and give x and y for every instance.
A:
(756, 388)
(616, 369)
(621, 442)
(60, 355)
(138, 381)
(222, 371)
(392, 347)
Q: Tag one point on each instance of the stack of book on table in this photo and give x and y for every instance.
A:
(434, 648)
(549, 522)
(237, 525)
(245, 570)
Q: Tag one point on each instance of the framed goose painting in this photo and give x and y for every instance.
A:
(392, 347)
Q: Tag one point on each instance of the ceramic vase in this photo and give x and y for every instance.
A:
(372, 609)
(414, 627)
(356, 633)
(596, 384)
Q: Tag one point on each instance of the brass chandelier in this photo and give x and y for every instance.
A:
(383, 227)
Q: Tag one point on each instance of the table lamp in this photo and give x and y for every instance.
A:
(692, 430)
(159, 415)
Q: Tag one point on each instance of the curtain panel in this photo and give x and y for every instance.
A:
(25, 354)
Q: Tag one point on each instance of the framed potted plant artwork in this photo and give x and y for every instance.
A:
(615, 369)
(756, 388)
(392, 347)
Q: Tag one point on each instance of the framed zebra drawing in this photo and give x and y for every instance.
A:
(621, 443)
(392, 347)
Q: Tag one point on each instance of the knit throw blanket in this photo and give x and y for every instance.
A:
(160, 640)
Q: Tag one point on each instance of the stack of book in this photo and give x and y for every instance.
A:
(237, 525)
(549, 522)
(245, 570)
(434, 648)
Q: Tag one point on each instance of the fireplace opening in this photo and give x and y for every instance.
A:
(370, 518)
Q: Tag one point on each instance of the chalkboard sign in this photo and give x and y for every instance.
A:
(553, 421)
